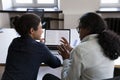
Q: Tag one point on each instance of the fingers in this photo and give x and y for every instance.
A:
(60, 53)
(64, 40)
(60, 48)
(63, 48)
(42, 40)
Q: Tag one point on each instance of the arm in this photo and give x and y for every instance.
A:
(50, 59)
(72, 66)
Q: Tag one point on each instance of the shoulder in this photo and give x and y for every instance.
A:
(90, 47)
(15, 40)
(41, 47)
(40, 44)
(90, 44)
(87, 45)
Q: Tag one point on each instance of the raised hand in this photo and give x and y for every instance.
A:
(63, 52)
(66, 44)
(42, 40)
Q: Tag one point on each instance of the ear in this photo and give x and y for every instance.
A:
(31, 31)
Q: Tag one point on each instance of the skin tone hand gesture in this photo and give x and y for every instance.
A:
(66, 44)
(63, 52)
(64, 49)
(42, 40)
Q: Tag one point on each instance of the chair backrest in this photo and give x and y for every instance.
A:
(116, 71)
(39, 12)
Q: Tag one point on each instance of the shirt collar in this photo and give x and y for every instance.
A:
(27, 37)
(89, 37)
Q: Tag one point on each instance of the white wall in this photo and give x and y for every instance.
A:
(4, 17)
(111, 15)
(0, 4)
(6, 4)
(4, 20)
(73, 9)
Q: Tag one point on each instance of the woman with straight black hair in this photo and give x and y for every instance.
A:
(25, 54)
(93, 58)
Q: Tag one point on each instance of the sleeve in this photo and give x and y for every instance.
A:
(50, 59)
(72, 67)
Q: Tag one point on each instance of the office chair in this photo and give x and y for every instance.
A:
(39, 12)
(116, 71)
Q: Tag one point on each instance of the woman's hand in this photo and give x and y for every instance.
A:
(63, 52)
(66, 44)
(42, 40)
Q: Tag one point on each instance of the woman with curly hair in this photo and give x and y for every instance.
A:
(93, 58)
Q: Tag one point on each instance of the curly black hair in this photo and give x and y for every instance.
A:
(109, 40)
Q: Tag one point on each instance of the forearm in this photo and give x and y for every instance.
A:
(54, 62)
(72, 68)
(66, 67)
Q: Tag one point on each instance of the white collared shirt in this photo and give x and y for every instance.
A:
(87, 62)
